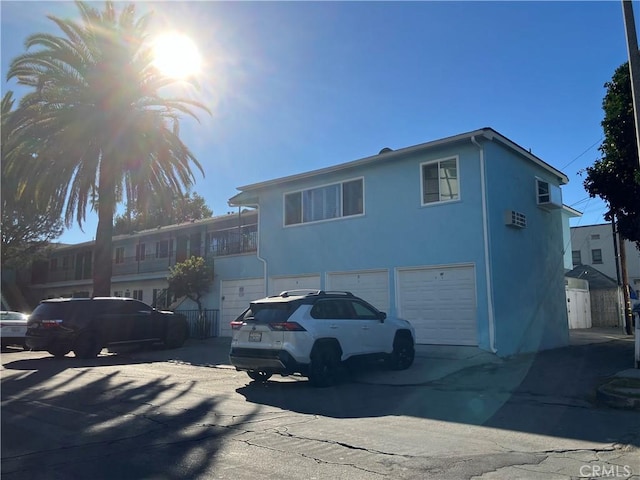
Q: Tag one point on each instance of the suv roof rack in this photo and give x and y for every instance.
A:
(299, 292)
(304, 292)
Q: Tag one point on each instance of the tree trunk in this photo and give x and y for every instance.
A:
(102, 264)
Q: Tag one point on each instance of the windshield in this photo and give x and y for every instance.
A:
(267, 312)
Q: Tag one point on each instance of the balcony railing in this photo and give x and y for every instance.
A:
(143, 264)
(227, 243)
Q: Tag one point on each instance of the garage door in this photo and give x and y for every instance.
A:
(440, 303)
(280, 284)
(372, 286)
(235, 298)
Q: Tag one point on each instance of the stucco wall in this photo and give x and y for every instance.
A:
(527, 264)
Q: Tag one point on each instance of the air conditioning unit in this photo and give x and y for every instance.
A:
(515, 219)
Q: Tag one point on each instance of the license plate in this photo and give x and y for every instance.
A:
(255, 336)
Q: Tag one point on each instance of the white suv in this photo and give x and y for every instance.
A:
(313, 332)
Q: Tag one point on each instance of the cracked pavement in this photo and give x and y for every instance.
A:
(121, 417)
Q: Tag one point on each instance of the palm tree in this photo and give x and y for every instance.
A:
(95, 126)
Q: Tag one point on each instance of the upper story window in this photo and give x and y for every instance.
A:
(140, 252)
(544, 195)
(440, 181)
(548, 196)
(119, 255)
(163, 248)
(324, 203)
(595, 236)
(576, 257)
(53, 264)
(596, 255)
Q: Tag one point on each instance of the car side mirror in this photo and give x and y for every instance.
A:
(382, 316)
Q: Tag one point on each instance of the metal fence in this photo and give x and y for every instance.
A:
(202, 327)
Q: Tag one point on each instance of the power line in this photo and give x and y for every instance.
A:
(590, 147)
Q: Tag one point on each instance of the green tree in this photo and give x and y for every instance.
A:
(189, 207)
(94, 124)
(615, 177)
(191, 279)
(26, 228)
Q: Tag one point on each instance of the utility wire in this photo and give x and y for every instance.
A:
(590, 147)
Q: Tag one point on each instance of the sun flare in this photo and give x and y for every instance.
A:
(177, 56)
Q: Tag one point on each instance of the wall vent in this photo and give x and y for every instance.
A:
(515, 219)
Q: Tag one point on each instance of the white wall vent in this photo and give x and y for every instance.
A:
(515, 219)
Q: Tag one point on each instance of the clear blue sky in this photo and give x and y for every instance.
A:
(299, 86)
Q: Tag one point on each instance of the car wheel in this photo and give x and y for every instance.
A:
(259, 376)
(87, 346)
(59, 352)
(325, 367)
(403, 353)
(176, 335)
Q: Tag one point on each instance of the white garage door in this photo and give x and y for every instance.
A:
(280, 284)
(235, 298)
(371, 286)
(440, 303)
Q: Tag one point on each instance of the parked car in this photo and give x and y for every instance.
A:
(313, 332)
(87, 325)
(13, 327)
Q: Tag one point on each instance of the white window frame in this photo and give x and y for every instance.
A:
(540, 197)
(440, 200)
(310, 208)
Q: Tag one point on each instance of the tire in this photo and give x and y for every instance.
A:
(59, 352)
(325, 366)
(176, 334)
(87, 346)
(403, 353)
(259, 376)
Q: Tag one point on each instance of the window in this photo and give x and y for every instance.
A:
(119, 254)
(596, 255)
(140, 252)
(163, 248)
(53, 264)
(440, 181)
(544, 195)
(117, 293)
(595, 236)
(66, 262)
(137, 294)
(324, 203)
(576, 257)
(363, 312)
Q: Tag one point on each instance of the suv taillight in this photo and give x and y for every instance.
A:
(50, 323)
(235, 325)
(287, 327)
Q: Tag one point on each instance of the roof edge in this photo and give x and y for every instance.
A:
(486, 132)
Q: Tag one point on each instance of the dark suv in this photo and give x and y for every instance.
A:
(87, 325)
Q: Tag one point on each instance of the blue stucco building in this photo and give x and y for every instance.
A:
(463, 236)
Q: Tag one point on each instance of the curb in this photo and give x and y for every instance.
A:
(617, 400)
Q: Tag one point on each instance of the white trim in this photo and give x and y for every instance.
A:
(487, 133)
(485, 237)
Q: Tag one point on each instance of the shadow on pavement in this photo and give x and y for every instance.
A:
(62, 420)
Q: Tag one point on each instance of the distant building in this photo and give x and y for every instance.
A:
(592, 245)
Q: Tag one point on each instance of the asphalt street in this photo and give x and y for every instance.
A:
(184, 414)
